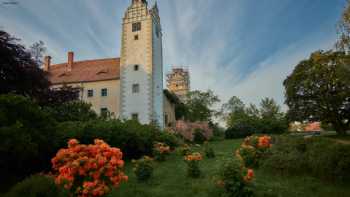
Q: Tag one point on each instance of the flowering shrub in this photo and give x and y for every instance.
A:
(160, 150)
(236, 179)
(247, 154)
(185, 150)
(143, 168)
(192, 161)
(209, 151)
(252, 149)
(88, 170)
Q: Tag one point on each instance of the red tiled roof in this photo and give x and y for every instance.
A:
(85, 71)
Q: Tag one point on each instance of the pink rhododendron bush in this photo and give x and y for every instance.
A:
(88, 170)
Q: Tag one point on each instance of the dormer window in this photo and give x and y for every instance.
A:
(136, 26)
(136, 67)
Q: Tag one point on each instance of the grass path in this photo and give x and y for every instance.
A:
(170, 180)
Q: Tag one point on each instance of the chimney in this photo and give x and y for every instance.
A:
(70, 61)
(47, 63)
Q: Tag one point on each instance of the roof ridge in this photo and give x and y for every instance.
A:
(86, 61)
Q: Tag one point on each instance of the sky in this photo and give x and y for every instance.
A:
(243, 48)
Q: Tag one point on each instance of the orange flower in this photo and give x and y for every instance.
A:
(83, 162)
(72, 143)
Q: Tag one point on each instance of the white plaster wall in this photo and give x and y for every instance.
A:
(136, 102)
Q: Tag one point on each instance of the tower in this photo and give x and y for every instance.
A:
(178, 82)
(141, 64)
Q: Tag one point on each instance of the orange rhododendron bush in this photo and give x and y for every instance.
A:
(88, 170)
(252, 149)
(160, 150)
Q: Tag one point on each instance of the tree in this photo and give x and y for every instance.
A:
(319, 90)
(343, 42)
(199, 105)
(20, 74)
(37, 51)
(243, 121)
(72, 111)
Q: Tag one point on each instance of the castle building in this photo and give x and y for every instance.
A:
(178, 82)
(129, 87)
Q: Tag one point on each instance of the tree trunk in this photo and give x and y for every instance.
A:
(340, 128)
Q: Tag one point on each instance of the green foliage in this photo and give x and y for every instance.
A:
(37, 186)
(244, 121)
(319, 157)
(209, 151)
(199, 105)
(184, 150)
(72, 111)
(343, 42)
(134, 139)
(143, 168)
(27, 136)
(198, 137)
(249, 156)
(167, 138)
(193, 169)
(232, 176)
(319, 89)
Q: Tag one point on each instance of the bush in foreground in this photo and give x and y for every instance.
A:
(236, 179)
(143, 168)
(88, 170)
(37, 185)
(319, 157)
(192, 161)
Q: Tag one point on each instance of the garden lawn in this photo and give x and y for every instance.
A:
(170, 179)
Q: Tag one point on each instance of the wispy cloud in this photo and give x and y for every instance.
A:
(234, 47)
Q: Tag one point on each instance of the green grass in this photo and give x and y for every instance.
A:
(170, 179)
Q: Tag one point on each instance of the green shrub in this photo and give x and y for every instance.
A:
(168, 138)
(198, 137)
(37, 186)
(143, 168)
(72, 111)
(193, 168)
(318, 157)
(184, 150)
(27, 136)
(239, 131)
(134, 139)
(234, 180)
(209, 151)
(248, 155)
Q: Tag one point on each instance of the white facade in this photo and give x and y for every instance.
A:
(141, 81)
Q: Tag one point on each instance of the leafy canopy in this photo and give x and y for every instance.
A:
(319, 90)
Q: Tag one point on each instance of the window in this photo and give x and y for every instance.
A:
(135, 88)
(136, 67)
(135, 116)
(136, 26)
(104, 92)
(104, 112)
(90, 93)
(136, 37)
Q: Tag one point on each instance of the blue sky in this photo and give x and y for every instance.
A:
(244, 48)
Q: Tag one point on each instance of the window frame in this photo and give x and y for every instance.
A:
(136, 26)
(135, 88)
(90, 93)
(135, 116)
(104, 92)
(136, 67)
